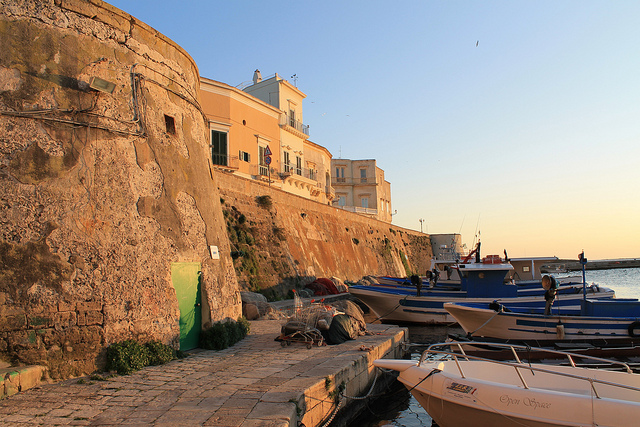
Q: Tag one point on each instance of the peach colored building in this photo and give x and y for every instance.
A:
(242, 129)
(258, 133)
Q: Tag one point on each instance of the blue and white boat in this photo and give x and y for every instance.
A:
(480, 282)
(615, 321)
(612, 321)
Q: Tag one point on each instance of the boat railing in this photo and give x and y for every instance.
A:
(518, 365)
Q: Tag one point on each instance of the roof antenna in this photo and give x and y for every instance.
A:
(295, 80)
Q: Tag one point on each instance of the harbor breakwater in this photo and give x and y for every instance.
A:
(606, 264)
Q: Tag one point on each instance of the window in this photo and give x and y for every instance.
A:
(264, 168)
(170, 124)
(298, 165)
(342, 201)
(292, 118)
(363, 175)
(364, 202)
(219, 148)
(287, 166)
(244, 156)
(340, 174)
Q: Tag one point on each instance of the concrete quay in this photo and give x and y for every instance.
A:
(257, 382)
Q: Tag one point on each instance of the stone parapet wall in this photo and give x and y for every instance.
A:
(297, 240)
(100, 192)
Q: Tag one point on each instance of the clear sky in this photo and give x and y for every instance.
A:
(519, 120)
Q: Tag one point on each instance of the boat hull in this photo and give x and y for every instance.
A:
(391, 305)
(540, 329)
(493, 395)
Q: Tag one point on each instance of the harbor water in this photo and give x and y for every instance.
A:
(399, 409)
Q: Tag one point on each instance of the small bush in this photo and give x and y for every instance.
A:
(264, 202)
(245, 326)
(159, 354)
(224, 334)
(355, 241)
(279, 233)
(237, 254)
(128, 356)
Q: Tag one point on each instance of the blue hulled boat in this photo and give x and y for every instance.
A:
(480, 282)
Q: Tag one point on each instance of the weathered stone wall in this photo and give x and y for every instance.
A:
(98, 193)
(297, 240)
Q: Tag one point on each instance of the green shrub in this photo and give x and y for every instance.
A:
(224, 334)
(159, 353)
(264, 202)
(128, 356)
(245, 326)
(280, 234)
(215, 338)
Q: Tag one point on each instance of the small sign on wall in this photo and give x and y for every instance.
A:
(214, 252)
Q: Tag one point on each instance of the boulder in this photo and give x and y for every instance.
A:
(263, 308)
(250, 311)
(252, 297)
(371, 279)
(305, 293)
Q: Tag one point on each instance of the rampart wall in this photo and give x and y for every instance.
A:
(100, 191)
(297, 240)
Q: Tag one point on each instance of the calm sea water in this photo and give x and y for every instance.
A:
(400, 409)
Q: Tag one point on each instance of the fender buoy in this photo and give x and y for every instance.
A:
(632, 329)
(560, 331)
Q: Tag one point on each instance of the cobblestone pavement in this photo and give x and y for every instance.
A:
(253, 383)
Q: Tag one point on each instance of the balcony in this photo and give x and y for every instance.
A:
(224, 162)
(261, 172)
(289, 169)
(294, 126)
(359, 210)
(330, 192)
(354, 181)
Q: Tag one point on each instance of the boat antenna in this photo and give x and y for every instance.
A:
(460, 231)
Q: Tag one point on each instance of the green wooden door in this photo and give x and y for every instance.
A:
(186, 281)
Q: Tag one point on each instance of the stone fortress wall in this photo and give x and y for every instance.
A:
(100, 192)
(296, 240)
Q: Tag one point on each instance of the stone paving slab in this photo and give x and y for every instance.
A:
(254, 383)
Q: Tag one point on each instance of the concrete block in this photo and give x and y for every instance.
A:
(21, 378)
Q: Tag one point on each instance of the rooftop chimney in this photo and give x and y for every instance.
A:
(257, 77)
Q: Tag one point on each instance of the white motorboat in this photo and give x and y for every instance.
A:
(457, 389)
